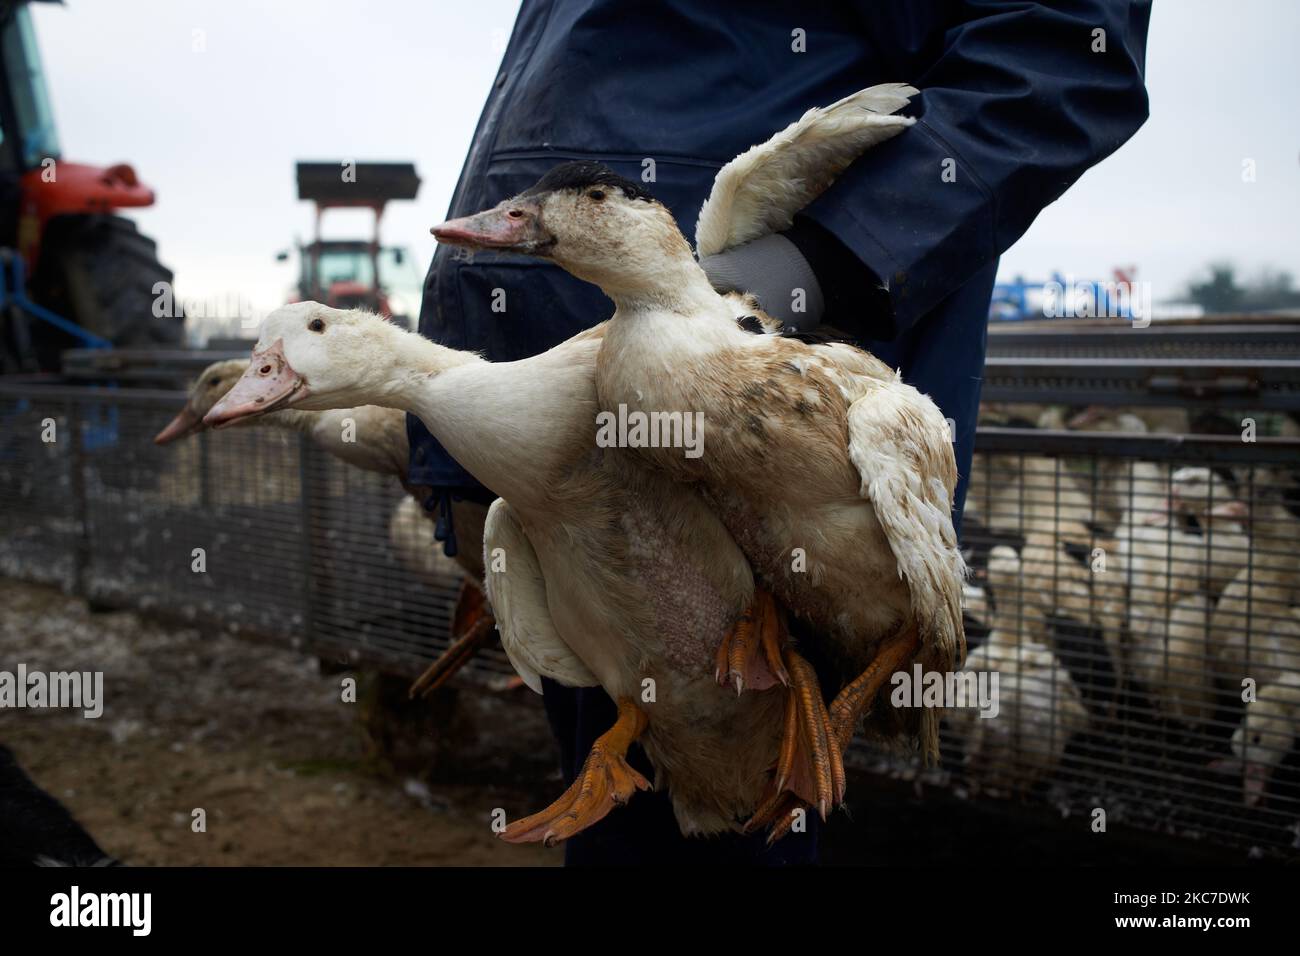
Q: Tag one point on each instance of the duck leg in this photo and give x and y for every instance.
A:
(749, 656)
(473, 622)
(809, 764)
(845, 712)
(756, 655)
(605, 781)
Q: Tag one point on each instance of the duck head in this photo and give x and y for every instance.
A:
(587, 219)
(311, 356)
(212, 385)
(1258, 746)
(1102, 418)
(1003, 571)
(1201, 494)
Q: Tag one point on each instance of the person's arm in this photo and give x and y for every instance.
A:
(1015, 107)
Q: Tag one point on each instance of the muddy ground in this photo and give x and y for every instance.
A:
(258, 738)
(289, 774)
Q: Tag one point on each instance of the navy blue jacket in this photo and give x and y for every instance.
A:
(1014, 94)
(1018, 100)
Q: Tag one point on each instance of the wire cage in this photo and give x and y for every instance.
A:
(1132, 593)
(252, 530)
(1135, 593)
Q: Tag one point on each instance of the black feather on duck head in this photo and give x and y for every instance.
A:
(584, 174)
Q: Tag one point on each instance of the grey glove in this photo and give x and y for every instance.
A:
(774, 271)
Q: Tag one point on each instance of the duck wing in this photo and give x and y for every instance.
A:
(900, 445)
(518, 597)
(760, 191)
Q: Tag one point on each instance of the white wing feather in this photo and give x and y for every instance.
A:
(518, 598)
(760, 191)
(900, 445)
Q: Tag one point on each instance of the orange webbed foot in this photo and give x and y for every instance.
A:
(473, 623)
(778, 810)
(606, 781)
(750, 655)
(809, 766)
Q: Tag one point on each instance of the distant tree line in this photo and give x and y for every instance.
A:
(1270, 290)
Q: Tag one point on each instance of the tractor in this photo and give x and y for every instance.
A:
(72, 273)
(352, 273)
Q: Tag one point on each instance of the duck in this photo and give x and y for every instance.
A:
(1066, 579)
(1171, 574)
(601, 572)
(1039, 706)
(1266, 734)
(1262, 643)
(1255, 629)
(373, 439)
(1207, 500)
(1026, 493)
(1170, 655)
(834, 476)
(380, 444)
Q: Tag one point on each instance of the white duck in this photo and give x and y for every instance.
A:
(600, 571)
(1170, 654)
(1039, 706)
(373, 439)
(1200, 494)
(1255, 631)
(1266, 734)
(1168, 570)
(834, 476)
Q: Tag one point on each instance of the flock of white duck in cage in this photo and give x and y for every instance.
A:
(1190, 576)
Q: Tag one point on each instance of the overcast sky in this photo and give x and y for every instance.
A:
(214, 101)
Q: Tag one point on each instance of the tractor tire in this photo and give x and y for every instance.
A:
(101, 273)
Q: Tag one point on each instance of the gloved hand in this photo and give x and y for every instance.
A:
(774, 271)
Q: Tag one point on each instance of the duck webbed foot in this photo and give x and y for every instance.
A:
(809, 765)
(605, 781)
(749, 657)
(473, 623)
(779, 809)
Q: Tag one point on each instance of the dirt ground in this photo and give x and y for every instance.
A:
(257, 737)
(288, 774)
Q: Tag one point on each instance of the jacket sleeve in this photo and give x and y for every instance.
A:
(1019, 100)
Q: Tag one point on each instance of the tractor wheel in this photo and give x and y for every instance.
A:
(101, 273)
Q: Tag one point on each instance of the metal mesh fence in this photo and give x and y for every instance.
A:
(251, 530)
(1124, 588)
(1130, 591)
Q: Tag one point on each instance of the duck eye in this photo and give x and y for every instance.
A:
(214, 383)
(596, 194)
(316, 325)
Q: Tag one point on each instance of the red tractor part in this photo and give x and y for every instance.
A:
(63, 188)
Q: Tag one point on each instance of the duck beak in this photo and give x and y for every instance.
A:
(514, 225)
(1254, 781)
(1231, 509)
(1084, 418)
(187, 422)
(269, 383)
